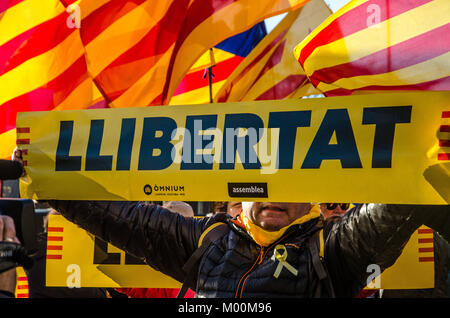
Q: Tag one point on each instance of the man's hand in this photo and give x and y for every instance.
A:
(12, 253)
(7, 230)
(8, 281)
(8, 234)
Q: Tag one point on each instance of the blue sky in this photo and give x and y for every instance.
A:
(336, 4)
(333, 4)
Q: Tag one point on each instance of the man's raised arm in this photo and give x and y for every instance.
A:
(376, 234)
(165, 239)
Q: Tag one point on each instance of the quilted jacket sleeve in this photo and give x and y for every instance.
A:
(375, 234)
(164, 239)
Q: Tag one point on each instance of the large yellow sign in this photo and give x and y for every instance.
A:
(384, 148)
(76, 258)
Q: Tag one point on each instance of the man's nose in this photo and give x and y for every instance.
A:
(340, 210)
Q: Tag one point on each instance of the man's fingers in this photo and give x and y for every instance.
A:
(7, 229)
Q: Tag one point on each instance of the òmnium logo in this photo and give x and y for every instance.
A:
(247, 190)
(148, 189)
(164, 189)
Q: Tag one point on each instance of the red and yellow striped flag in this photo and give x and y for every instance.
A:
(22, 286)
(135, 51)
(139, 51)
(194, 87)
(380, 45)
(42, 64)
(270, 71)
(223, 59)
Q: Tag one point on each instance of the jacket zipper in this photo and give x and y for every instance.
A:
(258, 261)
(240, 286)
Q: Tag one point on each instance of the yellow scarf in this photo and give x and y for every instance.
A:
(265, 238)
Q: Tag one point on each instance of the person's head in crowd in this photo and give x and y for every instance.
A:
(219, 206)
(230, 207)
(273, 216)
(42, 208)
(179, 207)
(333, 209)
(234, 208)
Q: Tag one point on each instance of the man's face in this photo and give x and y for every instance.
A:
(333, 209)
(273, 216)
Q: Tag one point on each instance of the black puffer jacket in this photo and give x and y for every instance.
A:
(235, 266)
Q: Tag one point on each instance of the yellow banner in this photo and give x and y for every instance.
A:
(75, 258)
(384, 148)
(414, 269)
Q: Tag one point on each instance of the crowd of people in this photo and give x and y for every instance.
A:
(242, 227)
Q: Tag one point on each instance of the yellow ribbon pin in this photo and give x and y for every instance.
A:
(281, 257)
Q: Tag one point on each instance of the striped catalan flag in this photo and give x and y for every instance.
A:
(42, 64)
(223, 59)
(139, 51)
(380, 45)
(270, 71)
(22, 287)
(126, 53)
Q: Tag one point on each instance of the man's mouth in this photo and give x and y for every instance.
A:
(272, 207)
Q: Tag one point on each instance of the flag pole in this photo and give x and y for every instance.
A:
(209, 71)
(204, 207)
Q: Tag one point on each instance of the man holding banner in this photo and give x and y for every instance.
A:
(267, 241)
(289, 244)
(274, 248)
